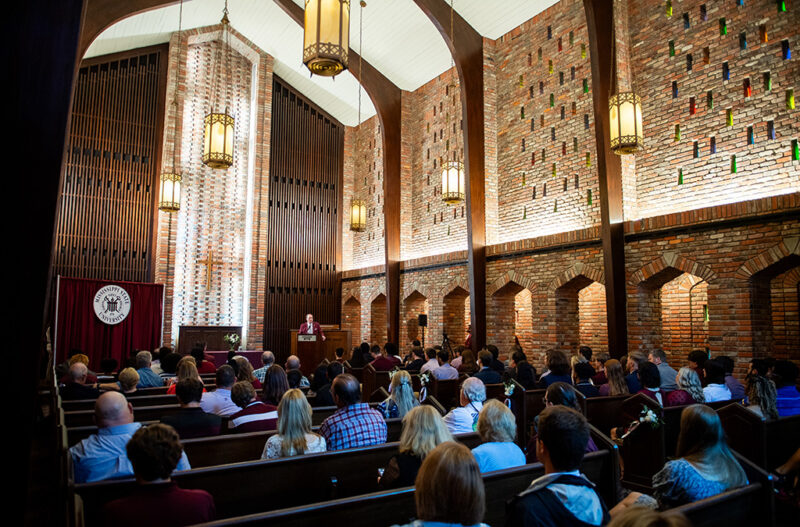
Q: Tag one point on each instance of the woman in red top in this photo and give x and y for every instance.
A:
(186, 370)
(689, 391)
(245, 372)
(199, 354)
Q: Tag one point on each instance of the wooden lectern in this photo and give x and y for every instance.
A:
(311, 351)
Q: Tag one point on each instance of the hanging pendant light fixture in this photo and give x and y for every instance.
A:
(326, 36)
(219, 126)
(453, 184)
(170, 181)
(358, 207)
(625, 114)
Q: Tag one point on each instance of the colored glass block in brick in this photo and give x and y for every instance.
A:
(767, 81)
(555, 172)
(565, 185)
(560, 44)
(706, 55)
(695, 150)
(795, 150)
(680, 176)
(747, 89)
(552, 133)
(729, 117)
(703, 13)
(533, 158)
(577, 180)
(671, 48)
(571, 38)
(689, 62)
(750, 137)
(677, 132)
(790, 99)
(726, 71)
(521, 81)
(585, 85)
(668, 7)
(786, 52)
(522, 112)
(734, 167)
(583, 51)
(574, 144)
(550, 67)
(692, 106)
(710, 99)
(589, 197)
(560, 78)
(586, 121)
(712, 145)
(762, 33)
(723, 26)
(781, 4)
(771, 130)
(742, 41)
(588, 159)
(686, 23)
(552, 100)
(549, 32)
(674, 89)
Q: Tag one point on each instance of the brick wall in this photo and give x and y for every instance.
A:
(764, 167)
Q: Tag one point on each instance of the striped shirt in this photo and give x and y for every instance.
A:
(255, 417)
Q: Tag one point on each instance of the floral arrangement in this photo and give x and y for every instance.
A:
(232, 340)
(648, 416)
(425, 378)
(509, 391)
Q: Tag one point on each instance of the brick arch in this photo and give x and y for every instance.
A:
(575, 270)
(789, 246)
(671, 261)
(415, 287)
(349, 296)
(507, 278)
(375, 294)
(463, 283)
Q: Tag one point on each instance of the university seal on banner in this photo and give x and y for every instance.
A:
(112, 304)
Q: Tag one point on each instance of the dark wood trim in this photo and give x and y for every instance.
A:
(152, 261)
(100, 14)
(600, 25)
(468, 57)
(386, 97)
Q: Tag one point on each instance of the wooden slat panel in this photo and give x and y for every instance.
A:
(306, 164)
(108, 202)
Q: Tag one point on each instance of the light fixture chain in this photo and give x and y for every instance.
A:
(177, 84)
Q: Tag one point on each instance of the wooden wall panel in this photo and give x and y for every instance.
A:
(110, 190)
(306, 171)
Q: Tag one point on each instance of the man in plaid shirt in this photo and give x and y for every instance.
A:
(354, 424)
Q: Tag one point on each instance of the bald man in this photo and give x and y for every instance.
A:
(77, 388)
(267, 359)
(354, 424)
(103, 455)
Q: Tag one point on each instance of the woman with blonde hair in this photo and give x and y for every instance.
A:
(245, 372)
(690, 390)
(423, 430)
(294, 435)
(401, 399)
(128, 379)
(497, 428)
(187, 369)
(449, 489)
(616, 379)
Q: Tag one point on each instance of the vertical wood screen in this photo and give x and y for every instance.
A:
(105, 226)
(306, 163)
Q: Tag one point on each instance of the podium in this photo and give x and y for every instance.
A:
(310, 356)
(310, 351)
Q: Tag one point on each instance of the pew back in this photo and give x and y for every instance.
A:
(768, 444)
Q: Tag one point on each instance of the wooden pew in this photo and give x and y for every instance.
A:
(753, 504)
(397, 506)
(603, 412)
(238, 448)
(672, 424)
(141, 413)
(768, 444)
(140, 400)
(446, 392)
(527, 404)
(246, 488)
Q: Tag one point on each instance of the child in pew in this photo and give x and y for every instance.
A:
(402, 399)
(423, 430)
(294, 435)
(704, 466)
(449, 489)
(154, 452)
(558, 394)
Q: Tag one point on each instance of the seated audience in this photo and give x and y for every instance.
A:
(245, 372)
(445, 371)
(760, 367)
(380, 361)
(354, 424)
(401, 396)
(615, 375)
(689, 391)
(294, 437)
(788, 398)
(294, 378)
(186, 370)
(704, 465)
(219, 401)
(464, 419)
(650, 379)
(639, 516)
(715, 389)
(586, 353)
(254, 416)
(558, 394)
(762, 397)
(91, 377)
(423, 430)
(102, 455)
(199, 354)
(635, 361)
(392, 353)
(432, 363)
(293, 363)
(498, 429)
(275, 385)
(267, 360)
(576, 359)
(556, 363)
(158, 356)
(563, 496)
(599, 364)
(449, 489)
(497, 365)
(320, 378)
(147, 377)
(486, 374)
(418, 359)
(457, 357)
(357, 359)
(469, 362)
(191, 421)
(169, 365)
(665, 371)
(524, 373)
(736, 388)
(339, 355)
(128, 380)
(324, 397)
(154, 452)
(696, 361)
(76, 388)
(582, 374)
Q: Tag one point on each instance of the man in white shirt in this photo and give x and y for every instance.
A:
(464, 419)
(432, 363)
(716, 389)
(444, 371)
(219, 401)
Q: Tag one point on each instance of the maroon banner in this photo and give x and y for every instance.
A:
(107, 319)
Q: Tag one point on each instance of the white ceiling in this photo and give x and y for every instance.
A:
(398, 39)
